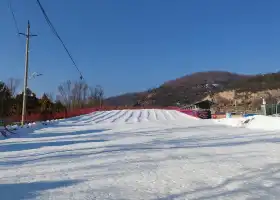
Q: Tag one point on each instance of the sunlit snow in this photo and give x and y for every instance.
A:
(142, 154)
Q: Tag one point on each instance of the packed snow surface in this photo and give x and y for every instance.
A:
(139, 154)
(254, 122)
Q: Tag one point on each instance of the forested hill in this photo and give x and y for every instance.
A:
(194, 87)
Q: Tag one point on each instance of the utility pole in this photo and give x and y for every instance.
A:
(27, 35)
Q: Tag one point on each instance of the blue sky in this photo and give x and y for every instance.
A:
(132, 45)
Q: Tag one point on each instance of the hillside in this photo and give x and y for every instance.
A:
(210, 77)
(248, 94)
(125, 99)
(197, 86)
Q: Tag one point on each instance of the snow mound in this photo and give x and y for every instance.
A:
(113, 117)
(254, 122)
(264, 122)
(131, 116)
(235, 122)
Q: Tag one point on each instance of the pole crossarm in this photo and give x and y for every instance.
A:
(31, 35)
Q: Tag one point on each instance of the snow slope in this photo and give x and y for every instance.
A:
(140, 154)
(254, 122)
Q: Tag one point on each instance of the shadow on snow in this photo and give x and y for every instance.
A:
(15, 191)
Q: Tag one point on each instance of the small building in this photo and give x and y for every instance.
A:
(205, 104)
(137, 104)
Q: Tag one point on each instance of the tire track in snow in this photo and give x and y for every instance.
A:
(144, 115)
(139, 116)
(163, 112)
(86, 118)
(127, 116)
(178, 114)
(120, 116)
(124, 117)
(161, 115)
(97, 116)
(156, 115)
(136, 116)
(131, 116)
(108, 117)
(152, 115)
(174, 114)
(148, 115)
(103, 113)
(168, 115)
(106, 114)
(98, 113)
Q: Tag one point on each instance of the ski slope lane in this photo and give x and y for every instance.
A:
(140, 154)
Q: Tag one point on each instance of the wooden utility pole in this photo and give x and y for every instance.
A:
(24, 101)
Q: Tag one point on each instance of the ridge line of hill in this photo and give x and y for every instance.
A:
(197, 86)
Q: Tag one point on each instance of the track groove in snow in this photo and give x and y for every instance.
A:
(108, 117)
(156, 115)
(139, 116)
(131, 113)
(148, 115)
(162, 115)
(140, 154)
(124, 112)
(93, 117)
(123, 118)
(104, 114)
(134, 117)
(116, 117)
(144, 116)
(168, 116)
(152, 115)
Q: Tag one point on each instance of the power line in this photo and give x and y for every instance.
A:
(57, 35)
(10, 5)
(13, 15)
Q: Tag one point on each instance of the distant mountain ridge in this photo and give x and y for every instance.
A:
(207, 77)
(195, 87)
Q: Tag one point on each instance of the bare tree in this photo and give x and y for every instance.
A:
(91, 96)
(85, 93)
(74, 94)
(79, 94)
(13, 84)
(66, 91)
(99, 93)
(50, 96)
(95, 96)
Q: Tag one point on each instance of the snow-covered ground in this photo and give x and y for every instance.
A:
(254, 122)
(140, 154)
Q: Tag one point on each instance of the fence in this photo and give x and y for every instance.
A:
(77, 112)
(49, 116)
(270, 109)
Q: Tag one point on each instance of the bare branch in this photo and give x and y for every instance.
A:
(13, 84)
(50, 96)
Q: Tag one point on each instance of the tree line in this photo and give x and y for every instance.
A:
(72, 95)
